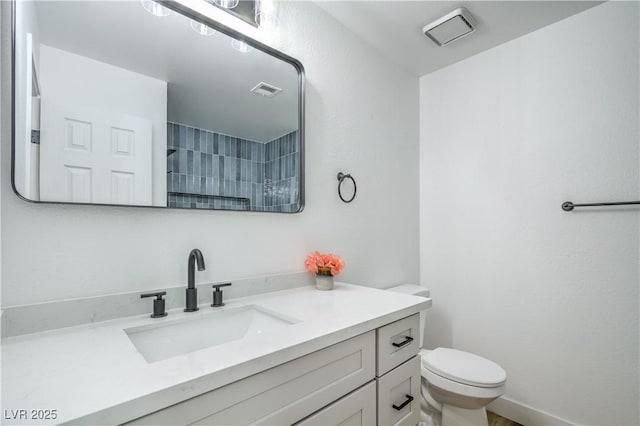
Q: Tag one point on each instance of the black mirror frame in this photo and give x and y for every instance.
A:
(189, 13)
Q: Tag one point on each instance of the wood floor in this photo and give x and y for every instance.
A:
(496, 420)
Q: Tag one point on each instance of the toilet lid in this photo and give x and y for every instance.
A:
(463, 367)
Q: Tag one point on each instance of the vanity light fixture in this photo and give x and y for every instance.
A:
(155, 9)
(226, 4)
(201, 28)
(241, 46)
(451, 27)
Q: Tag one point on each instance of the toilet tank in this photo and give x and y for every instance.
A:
(415, 290)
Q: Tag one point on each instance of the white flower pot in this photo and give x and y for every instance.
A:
(324, 282)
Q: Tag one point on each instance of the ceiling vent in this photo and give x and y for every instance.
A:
(266, 90)
(451, 27)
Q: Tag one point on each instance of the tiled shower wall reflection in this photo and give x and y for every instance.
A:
(280, 176)
(211, 170)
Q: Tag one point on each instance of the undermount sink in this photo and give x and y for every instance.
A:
(167, 339)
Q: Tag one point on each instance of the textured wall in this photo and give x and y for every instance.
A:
(506, 137)
(57, 252)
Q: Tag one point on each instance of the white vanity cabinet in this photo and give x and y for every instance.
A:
(347, 383)
(348, 356)
(399, 395)
(281, 395)
(398, 372)
(355, 409)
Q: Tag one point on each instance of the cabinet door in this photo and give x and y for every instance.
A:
(356, 409)
(283, 394)
(399, 395)
(398, 342)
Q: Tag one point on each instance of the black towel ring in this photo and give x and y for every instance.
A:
(341, 178)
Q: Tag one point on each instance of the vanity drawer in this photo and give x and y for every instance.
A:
(397, 342)
(357, 409)
(399, 395)
(283, 394)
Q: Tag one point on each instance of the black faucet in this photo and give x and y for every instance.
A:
(192, 291)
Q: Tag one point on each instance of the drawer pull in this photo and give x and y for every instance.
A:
(404, 404)
(406, 341)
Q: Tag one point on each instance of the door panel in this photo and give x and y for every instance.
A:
(78, 184)
(96, 156)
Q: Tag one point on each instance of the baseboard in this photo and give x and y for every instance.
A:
(523, 414)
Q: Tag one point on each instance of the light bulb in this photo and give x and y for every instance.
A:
(201, 28)
(227, 4)
(266, 20)
(265, 15)
(241, 46)
(155, 9)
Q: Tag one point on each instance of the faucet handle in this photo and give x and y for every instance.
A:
(158, 304)
(217, 286)
(217, 294)
(157, 294)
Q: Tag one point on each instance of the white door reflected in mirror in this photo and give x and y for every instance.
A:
(94, 156)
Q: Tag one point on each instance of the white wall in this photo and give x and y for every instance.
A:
(70, 79)
(55, 252)
(507, 136)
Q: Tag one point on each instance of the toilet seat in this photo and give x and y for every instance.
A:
(461, 389)
(464, 368)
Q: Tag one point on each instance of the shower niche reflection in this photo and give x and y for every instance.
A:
(116, 105)
(211, 170)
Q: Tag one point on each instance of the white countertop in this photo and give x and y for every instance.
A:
(93, 374)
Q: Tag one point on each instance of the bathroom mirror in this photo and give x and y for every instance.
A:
(140, 104)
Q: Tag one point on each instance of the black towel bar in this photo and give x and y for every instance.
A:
(567, 206)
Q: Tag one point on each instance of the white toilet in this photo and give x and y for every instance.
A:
(457, 384)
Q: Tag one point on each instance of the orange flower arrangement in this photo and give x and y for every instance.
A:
(324, 264)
